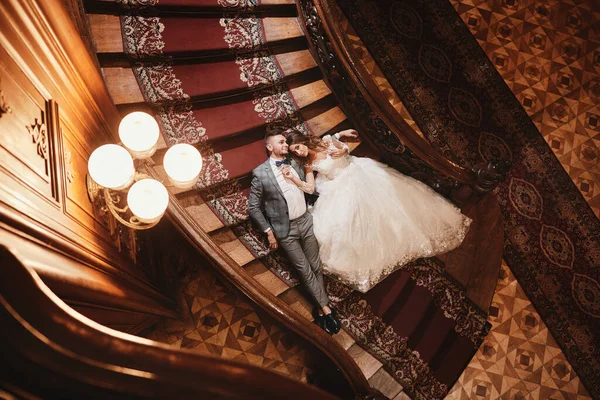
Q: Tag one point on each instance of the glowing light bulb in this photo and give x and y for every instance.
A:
(182, 164)
(111, 166)
(148, 199)
(139, 133)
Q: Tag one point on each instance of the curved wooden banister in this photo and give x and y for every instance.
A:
(235, 274)
(349, 79)
(50, 350)
(328, 11)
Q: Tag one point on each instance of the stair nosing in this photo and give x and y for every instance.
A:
(124, 60)
(196, 102)
(182, 11)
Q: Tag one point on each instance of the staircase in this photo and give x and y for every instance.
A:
(218, 74)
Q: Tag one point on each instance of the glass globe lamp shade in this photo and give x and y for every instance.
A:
(139, 133)
(111, 166)
(148, 199)
(182, 164)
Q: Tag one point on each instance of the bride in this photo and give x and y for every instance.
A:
(370, 219)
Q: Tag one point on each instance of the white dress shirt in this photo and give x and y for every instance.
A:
(294, 197)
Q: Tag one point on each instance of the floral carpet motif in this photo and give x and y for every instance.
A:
(462, 105)
(392, 349)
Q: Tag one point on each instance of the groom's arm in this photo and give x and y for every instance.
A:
(254, 204)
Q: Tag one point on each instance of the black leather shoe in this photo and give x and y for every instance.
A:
(331, 323)
(320, 322)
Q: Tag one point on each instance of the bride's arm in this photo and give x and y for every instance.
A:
(348, 133)
(341, 149)
(306, 187)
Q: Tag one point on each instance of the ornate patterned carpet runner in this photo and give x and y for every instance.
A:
(417, 323)
(462, 105)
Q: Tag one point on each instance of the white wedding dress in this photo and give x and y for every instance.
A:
(370, 220)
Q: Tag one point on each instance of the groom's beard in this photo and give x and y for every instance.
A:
(280, 154)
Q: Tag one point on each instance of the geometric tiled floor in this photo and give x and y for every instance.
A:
(217, 321)
(548, 52)
(519, 359)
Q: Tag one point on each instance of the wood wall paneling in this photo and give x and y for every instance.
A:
(27, 143)
(60, 110)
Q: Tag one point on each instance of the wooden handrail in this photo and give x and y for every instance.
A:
(258, 294)
(50, 350)
(356, 90)
(328, 11)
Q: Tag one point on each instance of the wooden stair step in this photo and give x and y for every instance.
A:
(366, 362)
(221, 77)
(266, 277)
(385, 383)
(184, 35)
(404, 317)
(184, 6)
(123, 86)
(326, 121)
(298, 302)
(231, 245)
(210, 83)
(223, 121)
(200, 212)
(344, 339)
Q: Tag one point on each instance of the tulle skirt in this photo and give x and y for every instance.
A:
(371, 220)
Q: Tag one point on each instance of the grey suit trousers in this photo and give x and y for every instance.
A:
(301, 247)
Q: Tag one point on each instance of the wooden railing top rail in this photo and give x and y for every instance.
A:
(42, 337)
(339, 47)
(235, 274)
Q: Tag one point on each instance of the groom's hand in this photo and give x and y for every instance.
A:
(272, 241)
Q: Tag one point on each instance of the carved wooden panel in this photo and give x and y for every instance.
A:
(43, 163)
(90, 219)
(77, 204)
(27, 143)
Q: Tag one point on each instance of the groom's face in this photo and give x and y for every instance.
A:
(277, 145)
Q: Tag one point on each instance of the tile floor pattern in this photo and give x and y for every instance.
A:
(219, 322)
(520, 359)
(548, 52)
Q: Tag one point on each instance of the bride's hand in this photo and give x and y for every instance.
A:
(287, 172)
(349, 133)
(337, 153)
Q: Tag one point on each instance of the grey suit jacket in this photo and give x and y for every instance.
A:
(266, 205)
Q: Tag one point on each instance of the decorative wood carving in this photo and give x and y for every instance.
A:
(4, 107)
(69, 172)
(39, 135)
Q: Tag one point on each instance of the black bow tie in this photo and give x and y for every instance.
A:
(279, 163)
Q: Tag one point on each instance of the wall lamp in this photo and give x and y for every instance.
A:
(135, 199)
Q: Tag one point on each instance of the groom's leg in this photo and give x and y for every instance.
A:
(311, 247)
(295, 253)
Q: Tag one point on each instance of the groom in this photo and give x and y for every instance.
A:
(278, 207)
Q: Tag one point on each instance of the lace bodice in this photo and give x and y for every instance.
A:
(331, 167)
